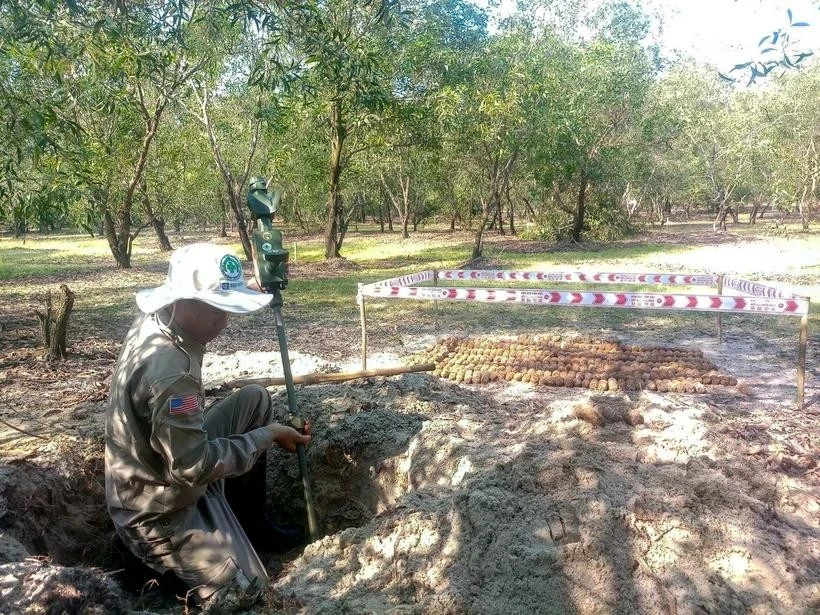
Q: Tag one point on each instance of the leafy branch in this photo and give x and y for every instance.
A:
(778, 50)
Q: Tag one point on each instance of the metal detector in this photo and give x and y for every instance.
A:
(270, 266)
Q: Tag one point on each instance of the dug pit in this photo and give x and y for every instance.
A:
(57, 548)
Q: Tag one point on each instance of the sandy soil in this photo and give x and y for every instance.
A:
(435, 497)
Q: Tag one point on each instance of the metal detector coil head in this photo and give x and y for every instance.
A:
(261, 202)
(270, 259)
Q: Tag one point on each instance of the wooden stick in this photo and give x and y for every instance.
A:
(435, 303)
(319, 377)
(801, 361)
(719, 321)
(28, 433)
(363, 319)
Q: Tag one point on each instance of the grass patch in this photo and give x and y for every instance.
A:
(50, 256)
(377, 251)
(630, 256)
(23, 262)
(326, 296)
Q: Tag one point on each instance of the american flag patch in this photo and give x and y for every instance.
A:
(184, 404)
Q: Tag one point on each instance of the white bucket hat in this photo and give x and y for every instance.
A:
(207, 273)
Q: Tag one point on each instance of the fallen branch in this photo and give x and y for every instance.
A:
(23, 431)
(319, 377)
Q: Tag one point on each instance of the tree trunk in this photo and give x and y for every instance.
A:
(403, 209)
(407, 208)
(158, 222)
(478, 238)
(499, 176)
(720, 221)
(757, 204)
(54, 322)
(488, 206)
(118, 232)
(223, 226)
(580, 209)
(234, 191)
(297, 211)
(405, 226)
(159, 230)
(118, 243)
(512, 209)
(235, 201)
(802, 209)
(723, 208)
(343, 222)
(530, 211)
(233, 185)
(334, 200)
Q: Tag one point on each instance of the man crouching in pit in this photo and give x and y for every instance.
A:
(184, 484)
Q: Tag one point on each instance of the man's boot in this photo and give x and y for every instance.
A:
(246, 495)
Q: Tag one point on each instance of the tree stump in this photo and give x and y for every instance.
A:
(54, 321)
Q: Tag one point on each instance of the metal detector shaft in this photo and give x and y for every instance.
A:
(313, 531)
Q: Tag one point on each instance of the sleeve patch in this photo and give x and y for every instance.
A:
(185, 404)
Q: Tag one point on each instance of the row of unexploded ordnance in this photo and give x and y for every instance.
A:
(576, 362)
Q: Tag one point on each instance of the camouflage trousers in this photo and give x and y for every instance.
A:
(209, 551)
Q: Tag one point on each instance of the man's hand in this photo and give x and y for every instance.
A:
(288, 437)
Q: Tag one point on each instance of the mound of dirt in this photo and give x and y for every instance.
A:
(56, 506)
(603, 409)
(323, 270)
(35, 586)
(493, 509)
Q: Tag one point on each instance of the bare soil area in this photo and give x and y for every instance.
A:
(442, 497)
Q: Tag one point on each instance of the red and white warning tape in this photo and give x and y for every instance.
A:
(755, 288)
(406, 280)
(670, 279)
(761, 299)
(709, 303)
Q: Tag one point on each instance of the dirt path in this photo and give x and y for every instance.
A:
(435, 497)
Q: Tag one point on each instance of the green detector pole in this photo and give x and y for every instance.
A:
(270, 264)
(296, 421)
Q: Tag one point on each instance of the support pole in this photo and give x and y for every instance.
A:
(435, 303)
(801, 361)
(363, 319)
(719, 319)
(313, 528)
